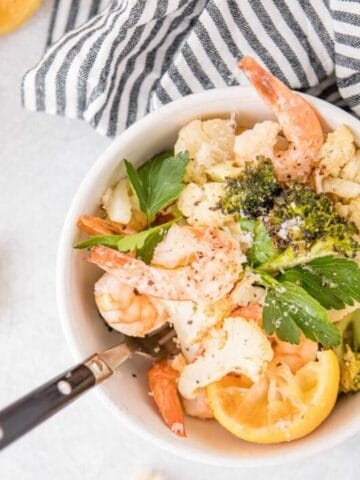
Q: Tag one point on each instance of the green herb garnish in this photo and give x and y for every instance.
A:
(333, 281)
(262, 248)
(290, 310)
(110, 241)
(158, 182)
(143, 243)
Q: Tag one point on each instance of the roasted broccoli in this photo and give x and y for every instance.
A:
(300, 217)
(294, 215)
(252, 193)
(349, 352)
(291, 257)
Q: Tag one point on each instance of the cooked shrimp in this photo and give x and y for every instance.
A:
(199, 406)
(295, 356)
(208, 263)
(127, 311)
(298, 121)
(163, 385)
(99, 226)
(251, 312)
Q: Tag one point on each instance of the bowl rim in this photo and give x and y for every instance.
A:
(63, 263)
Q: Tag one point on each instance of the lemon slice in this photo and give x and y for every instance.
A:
(15, 12)
(281, 406)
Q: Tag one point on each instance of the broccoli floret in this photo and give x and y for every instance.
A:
(301, 217)
(252, 193)
(294, 215)
(292, 257)
(350, 371)
(349, 352)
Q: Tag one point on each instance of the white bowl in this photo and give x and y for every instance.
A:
(125, 395)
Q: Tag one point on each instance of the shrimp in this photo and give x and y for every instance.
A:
(120, 305)
(295, 356)
(163, 385)
(99, 226)
(253, 311)
(127, 311)
(198, 264)
(198, 406)
(298, 120)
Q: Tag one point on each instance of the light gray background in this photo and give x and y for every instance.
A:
(42, 161)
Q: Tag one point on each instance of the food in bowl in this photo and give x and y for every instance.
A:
(247, 243)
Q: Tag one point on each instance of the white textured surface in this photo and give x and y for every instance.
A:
(42, 160)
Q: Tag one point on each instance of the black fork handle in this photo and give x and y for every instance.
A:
(43, 402)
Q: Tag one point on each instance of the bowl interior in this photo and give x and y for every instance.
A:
(86, 333)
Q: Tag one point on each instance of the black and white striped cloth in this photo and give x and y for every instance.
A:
(110, 62)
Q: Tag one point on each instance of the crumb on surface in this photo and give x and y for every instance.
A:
(150, 475)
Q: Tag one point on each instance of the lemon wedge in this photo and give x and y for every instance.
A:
(281, 406)
(15, 12)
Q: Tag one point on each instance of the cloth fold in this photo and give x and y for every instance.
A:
(110, 62)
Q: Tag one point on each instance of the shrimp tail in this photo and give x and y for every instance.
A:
(163, 385)
(107, 258)
(262, 80)
(100, 226)
(299, 122)
(250, 312)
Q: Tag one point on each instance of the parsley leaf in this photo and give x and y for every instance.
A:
(262, 248)
(146, 252)
(106, 240)
(334, 282)
(158, 182)
(143, 243)
(290, 310)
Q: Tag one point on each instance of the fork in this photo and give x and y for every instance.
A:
(35, 407)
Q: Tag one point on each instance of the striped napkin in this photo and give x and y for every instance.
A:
(110, 62)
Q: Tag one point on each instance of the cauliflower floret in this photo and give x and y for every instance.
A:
(353, 211)
(222, 171)
(195, 172)
(245, 292)
(116, 202)
(337, 151)
(245, 350)
(351, 171)
(350, 210)
(350, 371)
(123, 207)
(208, 142)
(200, 204)
(192, 321)
(219, 145)
(340, 187)
(256, 141)
(342, 209)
